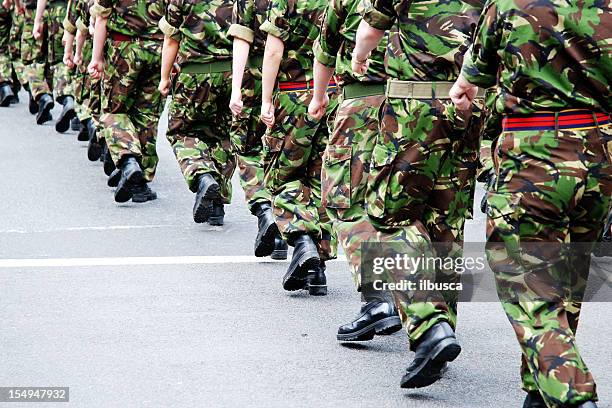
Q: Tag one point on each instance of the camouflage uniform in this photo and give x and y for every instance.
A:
(247, 130)
(554, 178)
(346, 160)
(6, 68)
(131, 103)
(15, 46)
(199, 114)
(294, 146)
(48, 71)
(422, 169)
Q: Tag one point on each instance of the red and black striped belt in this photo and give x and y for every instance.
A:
(575, 119)
(301, 86)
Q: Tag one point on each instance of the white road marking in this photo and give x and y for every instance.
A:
(135, 260)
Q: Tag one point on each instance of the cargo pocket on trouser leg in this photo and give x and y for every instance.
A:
(377, 189)
(336, 186)
(272, 147)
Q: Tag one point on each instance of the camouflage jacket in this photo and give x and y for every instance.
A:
(551, 57)
(433, 35)
(83, 17)
(296, 23)
(337, 41)
(134, 18)
(201, 27)
(247, 19)
(71, 17)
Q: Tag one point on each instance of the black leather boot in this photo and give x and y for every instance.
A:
(142, 193)
(109, 164)
(267, 230)
(131, 176)
(45, 104)
(94, 147)
(104, 149)
(15, 99)
(217, 215)
(280, 249)
(83, 134)
(376, 316)
(534, 400)
(316, 281)
(68, 113)
(305, 259)
(113, 179)
(207, 195)
(32, 105)
(75, 124)
(437, 347)
(6, 95)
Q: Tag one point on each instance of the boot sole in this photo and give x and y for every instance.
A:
(204, 208)
(266, 243)
(125, 191)
(45, 115)
(385, 326)
(317, 290)
(63, 124)
(431, 369)
(6, 102)
(144, 198)
(296, 280)
(94, 150)
(216, 221)
(279, 254)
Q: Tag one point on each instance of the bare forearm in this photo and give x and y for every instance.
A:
(99, 38)
(80, 42)
(240, 57)
(169, 53)
(273, 56)
(41, 5)
(322, 75)
(367, 40)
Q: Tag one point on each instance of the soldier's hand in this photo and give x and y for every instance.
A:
(236, 104)
(164, 86)
(6, 4)
(78, 58)
(463, 93)
(38, 29)
(360, 67)
(267, 114)
(68, 60)
(96, 68)
(318, 107)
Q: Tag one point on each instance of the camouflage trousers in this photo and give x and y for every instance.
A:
(552, 187)
(246, 133)
(420, 192)
(199, 131)
(294, 149)
(15, 47)
(131, 103)
(6, 68)
(87, 90)
(46, 71)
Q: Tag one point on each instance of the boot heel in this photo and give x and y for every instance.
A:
(279, 254)
(215, 221)
(317, 290)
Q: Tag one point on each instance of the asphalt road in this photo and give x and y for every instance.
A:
(219, 332)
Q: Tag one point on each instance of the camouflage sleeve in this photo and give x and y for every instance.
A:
(82, 12)
(69, 22)
(171, 23)
(242, 21)
(381, 14)
(102, 8)
(480, 68)
(330, 40)
(277, 23)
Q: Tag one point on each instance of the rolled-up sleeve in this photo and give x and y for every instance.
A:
(242, 21)
(380, 14)
(277, 23)
(170, 24)
(330, 39)
(102, 8)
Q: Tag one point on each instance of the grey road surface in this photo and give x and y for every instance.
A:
(219, 333)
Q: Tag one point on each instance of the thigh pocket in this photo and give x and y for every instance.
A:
(377, 190)
(336, 177)
(272, 147)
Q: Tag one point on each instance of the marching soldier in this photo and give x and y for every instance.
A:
(199, 115)
(422, 168)
(553, 164)
(348, 154)
(131, 103)
(247, 129)
(294, 143)
(6, 69)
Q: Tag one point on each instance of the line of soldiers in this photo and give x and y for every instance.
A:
(354, 121)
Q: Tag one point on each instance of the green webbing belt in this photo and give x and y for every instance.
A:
(207, 68)
(362, 89)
